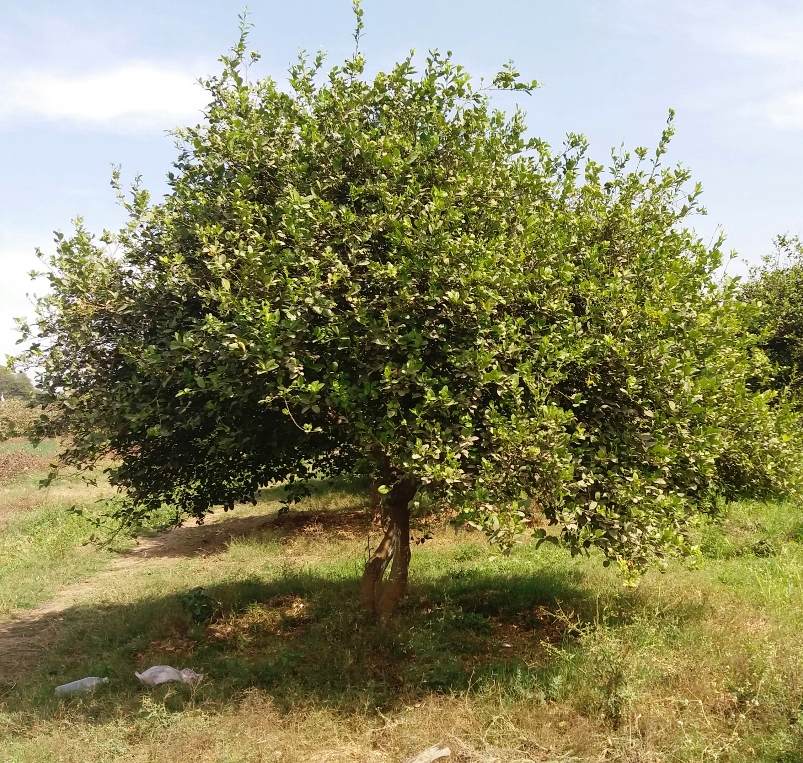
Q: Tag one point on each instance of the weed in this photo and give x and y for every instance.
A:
(198, 606)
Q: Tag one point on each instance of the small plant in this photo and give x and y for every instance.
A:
(764, 548)
(198, 606)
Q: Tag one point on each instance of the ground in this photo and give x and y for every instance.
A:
(528, 657)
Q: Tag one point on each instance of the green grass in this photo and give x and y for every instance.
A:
(41, 551)
(532, 656)
(45, 448)
(43, 544)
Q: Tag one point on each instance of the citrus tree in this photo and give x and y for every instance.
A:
(775, 292)
(384, 276)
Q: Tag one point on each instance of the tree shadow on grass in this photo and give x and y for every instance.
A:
(214, 537)
(302, 639)
(338, 507)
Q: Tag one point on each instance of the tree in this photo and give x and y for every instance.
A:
(775, 290)
(15, 414)
(385, 277)
(14, 385)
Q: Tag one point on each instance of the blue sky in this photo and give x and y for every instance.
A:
(84, 85)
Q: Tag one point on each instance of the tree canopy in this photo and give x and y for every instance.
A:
(775, 291)
(384, 276)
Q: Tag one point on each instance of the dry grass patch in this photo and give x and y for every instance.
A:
(17, 462)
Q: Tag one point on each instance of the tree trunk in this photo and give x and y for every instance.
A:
(371, 585)
(377, 594)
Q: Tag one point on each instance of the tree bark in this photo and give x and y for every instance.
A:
(371, 585)
(377, 594)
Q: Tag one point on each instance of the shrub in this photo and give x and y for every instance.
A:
(16, 418)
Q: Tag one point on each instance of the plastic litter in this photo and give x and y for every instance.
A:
(431, 754)
(162, 674)
(82, 686)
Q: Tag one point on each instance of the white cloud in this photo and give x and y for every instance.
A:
(786, 112)
(783, 43)
(760, 48)
(136, 95)
(775, 45)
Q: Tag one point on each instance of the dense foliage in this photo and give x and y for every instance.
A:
(17, 418)
(775, 290)
(384, 276)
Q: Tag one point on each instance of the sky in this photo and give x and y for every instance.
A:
(87, 85)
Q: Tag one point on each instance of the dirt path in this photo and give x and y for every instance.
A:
(23, 638)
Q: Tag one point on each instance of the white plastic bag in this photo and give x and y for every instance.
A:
(162, 674)
(82, 686)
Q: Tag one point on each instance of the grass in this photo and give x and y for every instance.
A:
(43, 545)
(46, 448)
(529, 657)
(41, 551)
